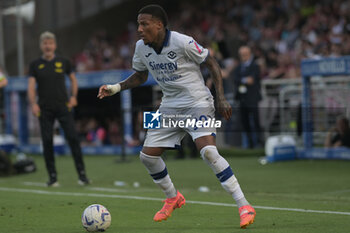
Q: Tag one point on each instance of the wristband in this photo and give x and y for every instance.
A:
(114, 88)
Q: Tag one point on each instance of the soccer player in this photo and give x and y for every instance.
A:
(173, 60)
(48, 73)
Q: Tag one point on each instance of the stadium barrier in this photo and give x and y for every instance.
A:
(282, 99)
(321, 96)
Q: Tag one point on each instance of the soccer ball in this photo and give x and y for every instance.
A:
(96, 218)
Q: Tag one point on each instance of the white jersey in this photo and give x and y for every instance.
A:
(176, 70)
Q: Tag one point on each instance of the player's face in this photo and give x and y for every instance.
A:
(48, 47)
(148, 28)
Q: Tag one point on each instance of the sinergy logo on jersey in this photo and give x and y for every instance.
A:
(166, 66)
(154, 120)
(165, 69)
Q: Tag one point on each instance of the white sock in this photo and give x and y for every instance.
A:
(232, 187)
(224, 173)
(157, 169)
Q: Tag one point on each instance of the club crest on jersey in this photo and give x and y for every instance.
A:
(58, 64)
(41, 66)
(171, 55)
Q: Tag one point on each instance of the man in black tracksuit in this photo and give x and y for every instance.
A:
(48, 73)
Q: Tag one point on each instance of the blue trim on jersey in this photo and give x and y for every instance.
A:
(225, 174)
(213, 134)
(165, 42)
(160, 175)
(167, 37)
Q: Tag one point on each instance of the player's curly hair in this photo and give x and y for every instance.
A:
(156, 11)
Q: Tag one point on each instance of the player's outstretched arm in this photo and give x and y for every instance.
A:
(134, 80)
(223, 106)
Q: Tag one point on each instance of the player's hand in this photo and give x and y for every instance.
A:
(225, 108)
(72, 102)
(36, 110)
(104, 92)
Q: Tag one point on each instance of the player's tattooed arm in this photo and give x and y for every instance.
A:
(132, 81)
(135, 80)
(215, 71)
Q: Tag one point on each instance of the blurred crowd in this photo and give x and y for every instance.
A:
(280, 32)
(95, 133)
(108, 131)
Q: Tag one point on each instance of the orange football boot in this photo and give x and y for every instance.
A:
(170, 205)
(247, 215)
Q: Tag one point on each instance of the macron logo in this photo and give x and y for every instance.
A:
(199, 48)
(151, 120)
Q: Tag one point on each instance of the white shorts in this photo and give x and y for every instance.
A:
(171, 137)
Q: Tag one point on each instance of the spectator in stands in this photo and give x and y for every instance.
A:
(114, 132)
(3, 83)
(96, 134)
(3, 79)
(48, 74)
(339, 136)
(246, 79)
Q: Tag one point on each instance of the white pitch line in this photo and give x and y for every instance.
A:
(339, 191)
(108, 189)
(160, 199)
(35, 184)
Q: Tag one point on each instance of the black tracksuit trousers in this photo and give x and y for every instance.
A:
(65, 118)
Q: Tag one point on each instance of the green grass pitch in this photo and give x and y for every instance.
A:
(295, 187)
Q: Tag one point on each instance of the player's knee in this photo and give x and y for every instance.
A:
(148, 160)
(154, 165)
(210, 153)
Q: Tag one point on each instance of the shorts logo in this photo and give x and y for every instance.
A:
(151, 120)
(171, 55)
